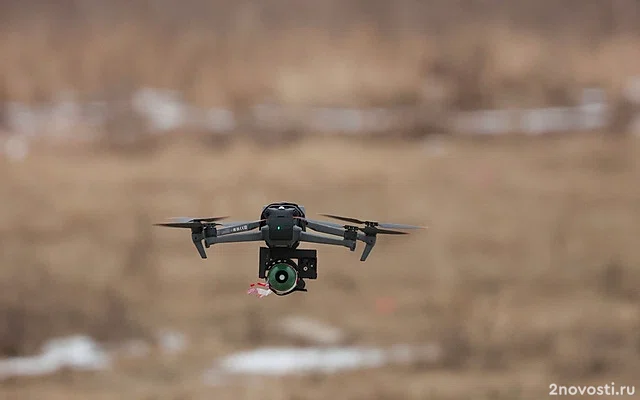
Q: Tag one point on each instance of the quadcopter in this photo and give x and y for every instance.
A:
(283, 226)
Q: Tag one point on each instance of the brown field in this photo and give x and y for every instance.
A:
(459, 54)
(527, 275)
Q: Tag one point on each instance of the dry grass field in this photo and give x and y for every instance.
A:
(528, 274)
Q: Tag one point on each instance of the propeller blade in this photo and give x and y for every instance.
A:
(191, 223)
(399, 226)
(191, 219)
(345, 219)
(386, 231)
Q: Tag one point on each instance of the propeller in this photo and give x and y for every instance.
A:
(374, 227)
(197, 226)
(191, 223)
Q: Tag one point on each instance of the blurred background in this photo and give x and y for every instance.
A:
(509, 128)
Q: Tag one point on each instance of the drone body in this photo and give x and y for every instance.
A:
(283, 226)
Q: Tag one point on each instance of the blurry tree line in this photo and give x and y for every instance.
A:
(460, 53)
(596, 17)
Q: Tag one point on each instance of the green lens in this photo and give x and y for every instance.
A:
(282, 278)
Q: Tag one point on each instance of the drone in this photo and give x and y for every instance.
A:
(283, 226)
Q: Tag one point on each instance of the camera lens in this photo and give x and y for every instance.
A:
(282, 277)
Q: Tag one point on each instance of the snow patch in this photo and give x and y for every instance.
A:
(282, 361)
(76, 352)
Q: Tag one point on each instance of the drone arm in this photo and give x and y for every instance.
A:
(237, 227)
(235, 238)
(313, 238)
(323, 228)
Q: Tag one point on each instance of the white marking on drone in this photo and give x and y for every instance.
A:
(240, 228)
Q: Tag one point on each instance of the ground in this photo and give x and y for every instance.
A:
(526, 276)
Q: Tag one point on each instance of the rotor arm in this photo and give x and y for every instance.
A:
(349, 236)
(236, 227)
(235, 238)
(314, 238)
(325, 228)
